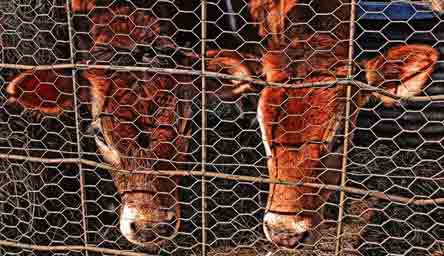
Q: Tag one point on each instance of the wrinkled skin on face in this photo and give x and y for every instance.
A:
(303, 129)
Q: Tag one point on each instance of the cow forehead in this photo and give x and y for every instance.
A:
(295, 116)
(134, 89)
(143, 117)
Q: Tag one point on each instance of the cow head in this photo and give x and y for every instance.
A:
(303, 129)
(141, 123)
(140, 120)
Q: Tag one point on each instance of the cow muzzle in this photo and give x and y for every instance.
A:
(290, 231)
(148, 227)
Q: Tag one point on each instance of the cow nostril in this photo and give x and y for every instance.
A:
(148, 235)
(304, 237)
(165, 230)
(143, 139)
(149, 232)
(133, 227)
(286, 238)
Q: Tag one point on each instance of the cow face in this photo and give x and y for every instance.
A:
(140, 124)
(143, 119)
(303, 130)
(139, 119)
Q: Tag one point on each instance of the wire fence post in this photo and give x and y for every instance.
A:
(203, 125)
(347, 130)
(76, 117)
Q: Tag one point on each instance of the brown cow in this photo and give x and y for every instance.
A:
(141, 120)
(303, 129)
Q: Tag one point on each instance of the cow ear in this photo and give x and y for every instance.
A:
(270, 16)
(402, 71)
(47, 91)
(231, 63)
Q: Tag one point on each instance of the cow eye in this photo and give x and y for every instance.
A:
(97, 133)
(143, 139)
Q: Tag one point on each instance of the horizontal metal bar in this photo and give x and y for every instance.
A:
(91, 248)
(376, 194)
(70, 248)
(337, 82)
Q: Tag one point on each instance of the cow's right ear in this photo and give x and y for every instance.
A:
(47, 91)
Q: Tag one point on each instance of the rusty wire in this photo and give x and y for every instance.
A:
(56, 248)
(302, 85)
(376, 194)
(76, 117)
(347, 131)
(204, 125)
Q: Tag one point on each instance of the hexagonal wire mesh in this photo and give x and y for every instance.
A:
(220, 127)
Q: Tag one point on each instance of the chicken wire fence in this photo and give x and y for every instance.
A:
(59, 186)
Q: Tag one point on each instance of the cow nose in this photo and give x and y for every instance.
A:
(287, 230)
(286, 238)
(165, 229)
(142, 227)
(149, 232)
(143, 233)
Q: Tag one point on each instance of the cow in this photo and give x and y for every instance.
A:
(141, 120)
(303, 129)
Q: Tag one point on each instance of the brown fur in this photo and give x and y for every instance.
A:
(298, 124)
(82, 5)
(132, 27)
(271, 15)
(143, 116)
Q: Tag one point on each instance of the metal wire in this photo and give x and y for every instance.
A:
(70, 248)
(76, 118)
(338, 82)
(395, 174)
(347, 131)
(203, 39)
(376, 194)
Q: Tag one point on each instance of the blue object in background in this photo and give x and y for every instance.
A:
(394, 11)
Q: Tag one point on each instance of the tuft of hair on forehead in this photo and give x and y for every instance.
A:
(271, 15)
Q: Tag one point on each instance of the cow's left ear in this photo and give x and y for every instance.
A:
(232, 63)
(402, 71)
(47, 91)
